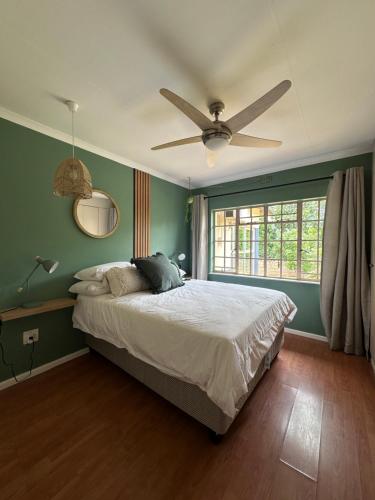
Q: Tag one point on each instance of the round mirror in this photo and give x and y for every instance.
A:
(98, 216)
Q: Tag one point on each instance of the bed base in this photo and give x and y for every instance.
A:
(188, 397)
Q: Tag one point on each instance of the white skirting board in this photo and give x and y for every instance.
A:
(308, 335)
(43, 368)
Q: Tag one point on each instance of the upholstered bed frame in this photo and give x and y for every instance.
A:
(188, 397)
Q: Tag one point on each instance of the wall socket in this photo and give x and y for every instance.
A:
(30, 336)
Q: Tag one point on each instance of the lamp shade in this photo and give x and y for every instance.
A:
(72, 178)
(49, 265)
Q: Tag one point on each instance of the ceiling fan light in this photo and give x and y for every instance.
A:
(216, 143)
(216, 140)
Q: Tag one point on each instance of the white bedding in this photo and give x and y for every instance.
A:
(211, 334)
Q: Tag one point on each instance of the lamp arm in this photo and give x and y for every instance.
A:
(26, 282)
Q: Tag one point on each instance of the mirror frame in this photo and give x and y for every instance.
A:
(75, 216)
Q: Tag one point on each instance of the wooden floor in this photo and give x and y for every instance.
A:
(86, 430)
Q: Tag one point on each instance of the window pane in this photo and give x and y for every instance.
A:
(230, 233)
(310, 210)
(230, 217)
(230, 264)
(257, 249)
(309, 266)
(322, 209)
(229, 248)
(273, 250)
(244, 249)
(321, 225)
(274, 213)
(273, 232)
(289, 269)
(219, 264)
(309, 250)
(289, 211)
(219, 218)
(290, 231)
(257, 267)
(245, 212)
(257, 232)
(257, 214)
(289, 250)
(244, 266)
(310, 230)
(245, 220)
(244, 233)
(219, 234)
(219, 248)
(273, 268)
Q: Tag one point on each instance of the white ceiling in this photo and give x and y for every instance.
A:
(112, 57)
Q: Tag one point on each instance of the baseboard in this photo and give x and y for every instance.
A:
(43, 368)
(308, 335)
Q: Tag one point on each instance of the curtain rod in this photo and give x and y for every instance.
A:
(270, 187)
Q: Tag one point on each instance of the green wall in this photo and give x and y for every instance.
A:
(305, 295)
(169, 230)
(35, 222)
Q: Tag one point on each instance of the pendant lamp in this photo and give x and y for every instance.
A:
(72, 177)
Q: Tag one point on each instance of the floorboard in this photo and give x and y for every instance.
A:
(86, 430)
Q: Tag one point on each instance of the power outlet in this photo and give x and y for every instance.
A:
(30, 336)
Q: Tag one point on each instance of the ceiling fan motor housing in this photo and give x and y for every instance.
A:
(217, 138)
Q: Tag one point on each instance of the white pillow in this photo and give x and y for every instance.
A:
(90, 288)
(96, 273)
(124, 280)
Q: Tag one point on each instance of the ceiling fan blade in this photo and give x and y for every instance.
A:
(249, 114)
(248, 141)
(211, 157)
(180, 142)
(194, 114)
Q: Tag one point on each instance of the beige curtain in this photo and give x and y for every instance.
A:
(345, 285)
(199, 242)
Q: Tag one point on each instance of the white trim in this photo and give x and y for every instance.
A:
(61, 136)
(303, 162)
(43, 368)
(308, 335)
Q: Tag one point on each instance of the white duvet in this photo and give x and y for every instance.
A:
(211, 334)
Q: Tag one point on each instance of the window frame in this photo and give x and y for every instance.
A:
(300, 275)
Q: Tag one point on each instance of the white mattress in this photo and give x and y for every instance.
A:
(207, 333)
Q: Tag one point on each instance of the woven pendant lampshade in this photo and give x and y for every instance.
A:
(72, 177)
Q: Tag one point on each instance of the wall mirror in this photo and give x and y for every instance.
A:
(98, 216)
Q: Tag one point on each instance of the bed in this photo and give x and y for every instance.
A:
(203, 347)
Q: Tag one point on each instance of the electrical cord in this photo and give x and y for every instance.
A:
(11, 365)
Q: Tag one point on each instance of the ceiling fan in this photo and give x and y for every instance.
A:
(217, 134)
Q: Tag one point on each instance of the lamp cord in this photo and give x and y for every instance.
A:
(11, 365)
(73, 145)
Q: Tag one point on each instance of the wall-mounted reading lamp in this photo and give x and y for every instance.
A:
(49, 266)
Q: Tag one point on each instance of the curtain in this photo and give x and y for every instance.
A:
(345, 284)
(199, 226)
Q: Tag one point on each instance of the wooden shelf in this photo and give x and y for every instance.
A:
(47, 306)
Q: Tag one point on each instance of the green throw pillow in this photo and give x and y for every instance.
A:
(163, 274)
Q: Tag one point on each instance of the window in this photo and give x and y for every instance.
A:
(276, 240)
